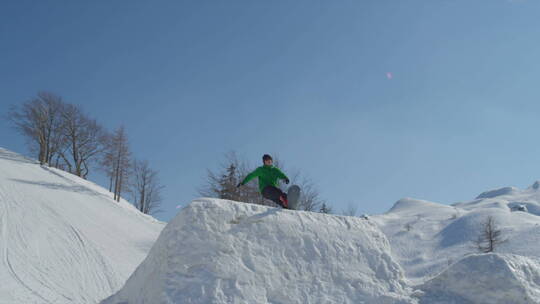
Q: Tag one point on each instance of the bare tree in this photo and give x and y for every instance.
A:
(121, 161)
(310, 199)
(116, 161)
(145, 188)
(106, 162)
(83, 140)
(490, 236)
(40, 121)
(351, 210)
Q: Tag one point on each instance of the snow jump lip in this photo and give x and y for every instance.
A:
(229, 252)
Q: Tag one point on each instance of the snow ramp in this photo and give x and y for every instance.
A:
(486, 279)
(217, 251)
(64, 239)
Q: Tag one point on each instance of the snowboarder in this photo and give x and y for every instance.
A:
(268, 176)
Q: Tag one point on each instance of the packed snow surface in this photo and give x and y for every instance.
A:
(486, 279)
(64, 239)
(217, 251)
(427, 237)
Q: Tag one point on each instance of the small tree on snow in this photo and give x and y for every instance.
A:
(351, 210)
(325, 208)
(490, 236)
(408, 226)
(222, 182)
(227, 184)
(145, 187)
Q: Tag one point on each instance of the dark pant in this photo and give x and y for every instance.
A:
(273, 193)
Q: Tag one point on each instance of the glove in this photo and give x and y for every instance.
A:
(239, 184)
(287, 181)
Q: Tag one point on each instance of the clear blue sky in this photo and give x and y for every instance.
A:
(307, 80)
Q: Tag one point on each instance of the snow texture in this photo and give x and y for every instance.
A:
(486, 279)
(217, 251)
(428, 237)
(64, 239)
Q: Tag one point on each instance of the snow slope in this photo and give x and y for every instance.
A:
(486, 279)
(63, 239)
(427, 237)
(217, 251)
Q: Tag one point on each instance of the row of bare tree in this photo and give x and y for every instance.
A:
(222, 183)
(65, 137)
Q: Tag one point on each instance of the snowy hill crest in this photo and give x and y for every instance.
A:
(498, 192)
(486, 279)
(64, 240)
(434, 242)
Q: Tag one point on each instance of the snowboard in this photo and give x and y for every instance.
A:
(293, 195)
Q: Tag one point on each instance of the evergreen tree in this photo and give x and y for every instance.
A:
(227, 184)
(325, 208)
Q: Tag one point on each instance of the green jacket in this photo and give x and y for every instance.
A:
(268, 176)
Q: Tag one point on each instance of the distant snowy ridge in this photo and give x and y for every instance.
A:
(217, 251)
(498, 192)
(64, 239)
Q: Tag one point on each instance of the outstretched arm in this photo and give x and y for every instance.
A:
(250, 176)
(282, 175)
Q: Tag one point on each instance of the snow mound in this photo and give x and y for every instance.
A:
(406, 205)
(64, 239)
(427, 237)
(498, 192)
(486, 279)
(217, 251)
